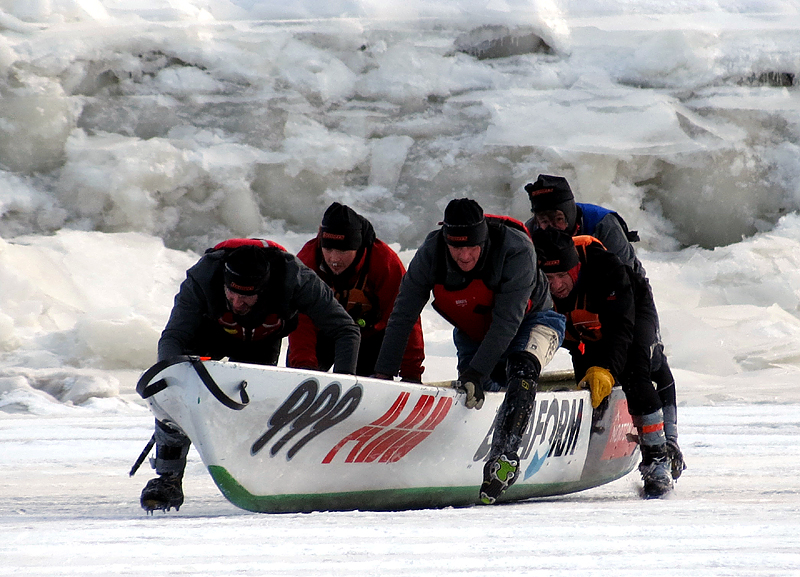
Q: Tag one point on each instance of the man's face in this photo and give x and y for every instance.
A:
(240, 304)
(561, 284)
(338, 260)
(466, 257)
(554, 218)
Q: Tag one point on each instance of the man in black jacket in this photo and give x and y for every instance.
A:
(239, 301)
(611, 335)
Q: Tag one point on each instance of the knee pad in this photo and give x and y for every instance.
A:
(522, 373)
(543, 342)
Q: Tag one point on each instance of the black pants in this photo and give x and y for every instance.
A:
(367, 353)
(645, 357)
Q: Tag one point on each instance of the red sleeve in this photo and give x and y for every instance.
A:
(411, 368)
(303, 345)
(386, 271)
(308, 254)
(303, 340)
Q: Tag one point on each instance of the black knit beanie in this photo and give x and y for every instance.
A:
(246, 270)
(464, 223)
(555, 250)
(341, 228)
(548, 192)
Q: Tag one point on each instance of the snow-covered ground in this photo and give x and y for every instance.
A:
(134, 134)
(69, 508)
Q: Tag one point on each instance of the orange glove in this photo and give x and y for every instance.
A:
(599, 381)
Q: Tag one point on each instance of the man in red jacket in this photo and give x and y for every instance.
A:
(365, 274)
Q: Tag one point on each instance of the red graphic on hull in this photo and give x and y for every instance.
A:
(384, 442)
(618, 445)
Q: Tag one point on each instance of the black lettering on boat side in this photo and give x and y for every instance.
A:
(343, 409)
(558, 424)
(305, 408)
(485, 446)
(573, 428)
(297, 403)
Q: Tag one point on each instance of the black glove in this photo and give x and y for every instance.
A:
(469, 382)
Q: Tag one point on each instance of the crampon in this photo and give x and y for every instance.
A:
(498, 475)
(162, 494)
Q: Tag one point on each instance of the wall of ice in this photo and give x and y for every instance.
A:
(194, 129)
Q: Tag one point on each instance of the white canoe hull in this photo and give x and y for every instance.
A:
(305, 441)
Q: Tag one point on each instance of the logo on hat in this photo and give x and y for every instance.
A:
(331, 236)
(238, 288)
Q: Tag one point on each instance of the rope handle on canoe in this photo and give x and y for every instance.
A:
(214, 389)
(147, 389)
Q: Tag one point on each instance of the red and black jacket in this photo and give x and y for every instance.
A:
(367, 291)
(202, 323)
(600, 310)
(507, 268)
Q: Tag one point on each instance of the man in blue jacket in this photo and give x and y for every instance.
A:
(553, 205)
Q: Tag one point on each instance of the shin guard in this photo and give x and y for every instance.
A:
(522, 373)
(172, 446)
(651, 429)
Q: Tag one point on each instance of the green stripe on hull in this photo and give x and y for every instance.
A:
(383, 499)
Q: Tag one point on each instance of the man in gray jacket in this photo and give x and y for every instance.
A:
(484, 278)
(239, 301)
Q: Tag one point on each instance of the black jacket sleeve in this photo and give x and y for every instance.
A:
(610, 294)
(192, 305)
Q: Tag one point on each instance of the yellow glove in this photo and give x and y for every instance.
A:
(600, 382)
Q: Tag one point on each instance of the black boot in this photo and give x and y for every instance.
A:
(655, 470)
(166, 491)
(163, 493)
(502, 468)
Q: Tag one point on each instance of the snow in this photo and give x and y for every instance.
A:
(133, 135)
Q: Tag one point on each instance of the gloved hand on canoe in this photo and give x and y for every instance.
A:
(469, 382)
(599, 381)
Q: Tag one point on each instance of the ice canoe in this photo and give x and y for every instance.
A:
(286, 440)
